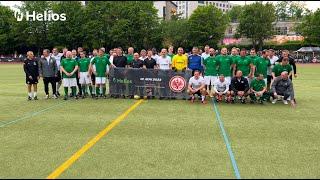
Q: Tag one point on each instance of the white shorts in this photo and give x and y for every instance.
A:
(209, 79)
(100, 80)
(265, 80)
(69, 82)
(84, 79)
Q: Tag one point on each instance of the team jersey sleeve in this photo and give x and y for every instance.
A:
(93, 61)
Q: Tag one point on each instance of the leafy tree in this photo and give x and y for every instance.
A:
(175, 33)
(207, 25)
(256, 22)
(235, 13)
(7, 23)
(310, 27)
(67, 33)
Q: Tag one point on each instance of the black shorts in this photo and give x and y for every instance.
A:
(34, 80)
(58, 78)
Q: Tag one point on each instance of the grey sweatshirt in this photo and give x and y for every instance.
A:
(48, 69)
(280, 85)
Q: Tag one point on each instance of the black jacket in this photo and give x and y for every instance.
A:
(31, 67)
(236, 86)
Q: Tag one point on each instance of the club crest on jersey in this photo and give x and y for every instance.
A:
(177, 84)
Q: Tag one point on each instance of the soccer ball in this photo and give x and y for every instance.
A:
(136, 97)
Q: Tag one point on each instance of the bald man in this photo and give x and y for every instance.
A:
(282, 88)
(69, 67)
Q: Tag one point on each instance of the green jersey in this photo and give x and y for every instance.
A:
(84, 64)
(252, 59)
(211, 65)
(257, 85)
(129, 58)
(171, 56)
(101, 65)
(224, 63)
(278, 69)
(68, 65)
(234, 59)
(262, 65)
(243, 64)
(106, 55)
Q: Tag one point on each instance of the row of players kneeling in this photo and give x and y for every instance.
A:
(239, 89)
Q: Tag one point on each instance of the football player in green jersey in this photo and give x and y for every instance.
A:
(101, 63)
(84, 76)
(258, 89)
(69, 67)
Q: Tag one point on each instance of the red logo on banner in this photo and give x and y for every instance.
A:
(177, 83)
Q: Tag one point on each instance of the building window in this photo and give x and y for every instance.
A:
(201, 2)
(164, 13)
(224, 5)
(230, 30)
(220, 5)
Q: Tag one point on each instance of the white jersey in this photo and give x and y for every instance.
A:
(273, 61)
(143, 58)
(164, 62)
(156, 56)
(196, 83)
(57, 58)
(221, 86)
(205, 56)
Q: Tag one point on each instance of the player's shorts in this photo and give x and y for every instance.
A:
(84, 79)
(69, 82)
(100, 80)
(210, 79)
(34, 80)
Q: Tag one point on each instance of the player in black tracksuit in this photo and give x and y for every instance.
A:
(31, 68)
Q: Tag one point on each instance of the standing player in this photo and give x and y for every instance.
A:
(211, 71)
(149, 62)
(57, 56)
(101, 63)
(180, 61)
(225, 64)
(258, 89)
(163, 61)
(76, 58)
(262, 65)
(84, 76)
(143, 54)
(273, 59)
(170, 52)
(92, 71)
(197, 86)
(221, 88)
(130, 55)
(195, 60)
(244, 64)
(253, 56)
(234, 59)
(282, 67)
(31, 68)
(206, 52)
(69, 67)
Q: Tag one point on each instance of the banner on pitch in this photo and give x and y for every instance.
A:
(149, 82)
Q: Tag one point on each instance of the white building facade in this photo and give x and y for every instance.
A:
(186, 8)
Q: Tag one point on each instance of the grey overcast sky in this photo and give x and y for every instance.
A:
(312, 5)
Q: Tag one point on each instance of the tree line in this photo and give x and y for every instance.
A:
(135, 23)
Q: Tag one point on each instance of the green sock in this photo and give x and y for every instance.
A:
(104, 90)
(66, 91)
(97, 91)
(90, 89)
(74, 91)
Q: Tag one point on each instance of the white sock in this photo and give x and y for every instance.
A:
(35, 94)
(30, 94)
(93, 89)
(202, 98)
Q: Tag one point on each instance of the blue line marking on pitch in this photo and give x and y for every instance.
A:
(31, 115)
(226, 141)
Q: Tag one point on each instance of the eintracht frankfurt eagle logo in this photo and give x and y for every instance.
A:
(177, 83)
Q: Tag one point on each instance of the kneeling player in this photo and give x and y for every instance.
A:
(197, 86)
(258, 90)
(101, 63)
(239, 87)
(84, 76)
(69, 67)
(221, 88)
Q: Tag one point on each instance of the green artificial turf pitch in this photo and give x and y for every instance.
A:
(160, 138)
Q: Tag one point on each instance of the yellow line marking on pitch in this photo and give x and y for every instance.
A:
(56, 173)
